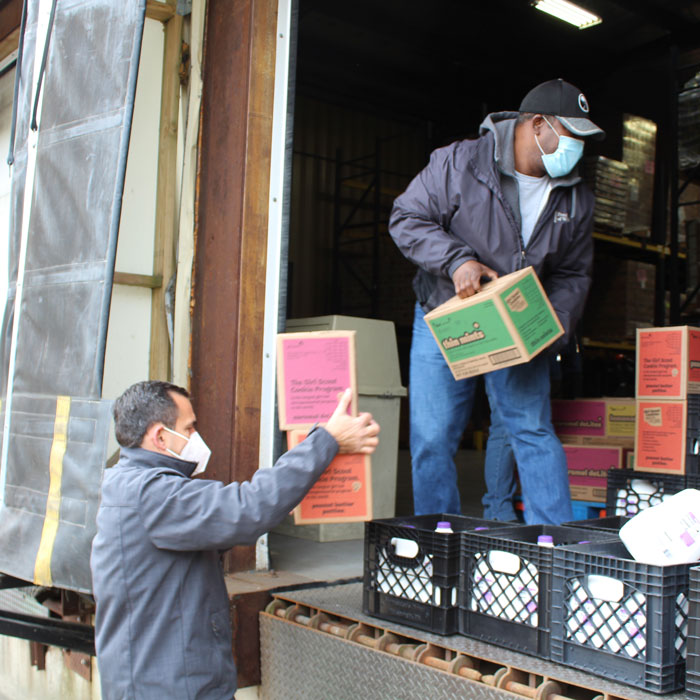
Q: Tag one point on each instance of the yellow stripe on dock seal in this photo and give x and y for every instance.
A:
(42, 566)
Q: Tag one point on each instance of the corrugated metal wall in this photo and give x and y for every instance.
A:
(320, 129)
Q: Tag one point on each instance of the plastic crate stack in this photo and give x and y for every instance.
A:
(619, 618)
(630, 492)
(609, 182)
(505, 583)
(692, 676)
(486, 575)
(583, 601)
(411, 572)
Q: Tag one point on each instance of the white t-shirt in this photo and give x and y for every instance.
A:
(533, 194)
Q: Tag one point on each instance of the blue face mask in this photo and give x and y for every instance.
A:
(563, 160)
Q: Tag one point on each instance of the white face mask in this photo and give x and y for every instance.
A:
(196, 450)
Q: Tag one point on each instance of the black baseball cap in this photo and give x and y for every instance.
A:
(564, 101)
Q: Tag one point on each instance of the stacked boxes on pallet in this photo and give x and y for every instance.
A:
(609, 182)
(689, 124)
(619, 618)
(505, 584)
(668, 400)
(597, 435)
(411, 572)
(639, 154)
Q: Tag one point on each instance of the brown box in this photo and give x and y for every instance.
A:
(661, 437)
(639, 153)
(508, 322)
(610, 419)
(668, 362)
(588, 468)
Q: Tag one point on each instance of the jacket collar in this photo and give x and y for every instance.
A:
(146, 459)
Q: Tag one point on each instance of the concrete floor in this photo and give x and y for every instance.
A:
(333, 561)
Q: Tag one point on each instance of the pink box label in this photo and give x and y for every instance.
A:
(316, 370)
(589, 466)
(579, 417)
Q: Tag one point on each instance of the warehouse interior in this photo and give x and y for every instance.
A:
(378, 86)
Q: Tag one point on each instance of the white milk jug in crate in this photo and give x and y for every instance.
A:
(667, 533)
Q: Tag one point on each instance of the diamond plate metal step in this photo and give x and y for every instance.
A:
(317, 644)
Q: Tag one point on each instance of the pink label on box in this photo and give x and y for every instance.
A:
(687, 538)
(579, 417)
(694, 356)
(589, 466)
(317, 370)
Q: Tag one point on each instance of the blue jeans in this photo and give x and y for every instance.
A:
(499, 472)
(439, 411)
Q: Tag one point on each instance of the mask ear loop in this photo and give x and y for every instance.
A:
(174, 432)
(537, 141)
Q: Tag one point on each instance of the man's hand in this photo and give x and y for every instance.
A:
(467, 277)
(353, 435)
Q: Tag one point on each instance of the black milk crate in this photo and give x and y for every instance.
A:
(629, 491)
(619, 618)
(692, 675)
(411, 572)
(610, 523)
(505, 584)
(692, 436)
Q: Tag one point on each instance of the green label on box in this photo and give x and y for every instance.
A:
(530, 313)
(473, 331)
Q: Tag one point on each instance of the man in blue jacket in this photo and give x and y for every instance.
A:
(483, 208)
(162, 629)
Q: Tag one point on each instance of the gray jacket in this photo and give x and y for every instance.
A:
(162, 629)
(464, 206)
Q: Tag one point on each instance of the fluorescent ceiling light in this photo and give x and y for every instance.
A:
(567, 11)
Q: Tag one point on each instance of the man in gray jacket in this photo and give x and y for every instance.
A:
(162, 629)
(483, 208)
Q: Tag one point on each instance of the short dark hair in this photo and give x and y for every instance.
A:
(524, 117)
(142, 405)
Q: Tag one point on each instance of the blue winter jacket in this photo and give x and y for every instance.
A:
(162, 628)
(464, 206)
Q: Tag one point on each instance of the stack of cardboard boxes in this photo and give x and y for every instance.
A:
(639, 154)
(668, 400)
(657, 432)
(609, 182)
(597, 435)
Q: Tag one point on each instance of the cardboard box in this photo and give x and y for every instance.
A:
(666, 436)
(639, 154)
(342, 494)
(313, 368)
(668, 362)
(595, 418)
(625, 444)
(508, 322)
(588, 468)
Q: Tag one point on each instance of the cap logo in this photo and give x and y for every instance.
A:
(583, 103)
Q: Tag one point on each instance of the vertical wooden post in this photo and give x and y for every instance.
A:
(166, 198)
(231, 237)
